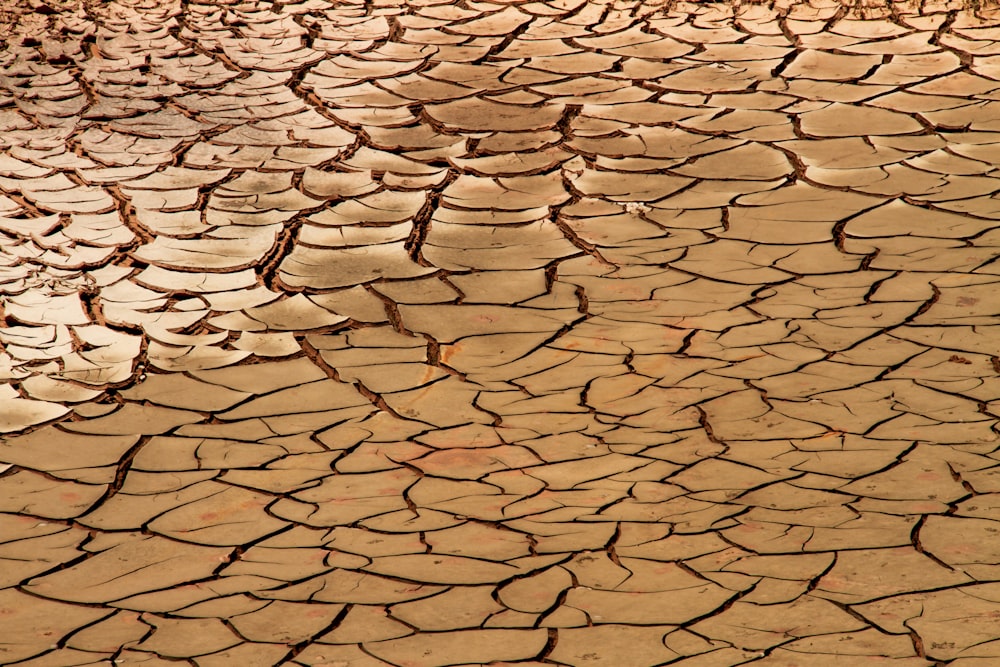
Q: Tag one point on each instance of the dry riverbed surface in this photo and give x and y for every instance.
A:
(425, 333)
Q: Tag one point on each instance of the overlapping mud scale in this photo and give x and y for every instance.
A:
(461, 333)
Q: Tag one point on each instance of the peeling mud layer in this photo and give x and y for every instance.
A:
(428, 333)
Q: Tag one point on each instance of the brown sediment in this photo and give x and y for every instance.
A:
(571, 332)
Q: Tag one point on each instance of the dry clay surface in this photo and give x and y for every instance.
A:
(461, 333)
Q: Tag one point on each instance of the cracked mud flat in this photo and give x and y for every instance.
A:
(545, 333)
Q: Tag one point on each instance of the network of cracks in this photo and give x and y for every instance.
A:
(426, 333)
